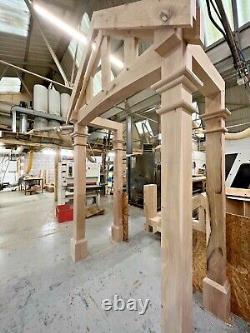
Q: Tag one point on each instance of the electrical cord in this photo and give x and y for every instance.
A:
(239, 60)
(212, 19)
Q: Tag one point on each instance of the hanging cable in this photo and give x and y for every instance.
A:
(240, 63)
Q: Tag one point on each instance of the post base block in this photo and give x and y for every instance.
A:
(79, 249)
(147, 227)
(216, 298)
(117, 233)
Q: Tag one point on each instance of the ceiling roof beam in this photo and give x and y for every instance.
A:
(51, 51)
(34, 74)
(3, 72)
(23, 83)
(27, 48)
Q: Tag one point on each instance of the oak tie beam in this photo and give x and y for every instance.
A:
(176, 66)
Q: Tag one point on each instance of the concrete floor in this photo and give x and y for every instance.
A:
(42, 290)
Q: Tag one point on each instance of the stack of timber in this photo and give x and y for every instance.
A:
(237, 242)
(93, 211)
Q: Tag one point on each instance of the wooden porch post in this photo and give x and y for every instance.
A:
(176, 197)
(117, 227)
(78, 242)
(57, 161)
(150, 203)
(216, 288)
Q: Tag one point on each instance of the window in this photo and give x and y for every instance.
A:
(243, 8)
(10, 85)
(212, 34)
(143, 127)
(97, 83)
(196, 116)
(14, 17)
(76, 47)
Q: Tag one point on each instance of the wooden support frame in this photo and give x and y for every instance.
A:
(79, 242)
(176, 66)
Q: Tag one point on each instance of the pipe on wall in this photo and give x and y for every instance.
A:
(239, 135)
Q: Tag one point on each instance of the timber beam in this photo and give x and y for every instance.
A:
(146, 14)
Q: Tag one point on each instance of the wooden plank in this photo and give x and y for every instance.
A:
(195, 35)
(93, 211)
(147, 35)
(238, 192)
(150, 203)
(89, 70)
(130, 50)
(99, 122)
(146, 14)
(165, 40)
(83, 75)
(234, 206)
(80, 76)
(206, 71)
(105, 63)
(247, 208)
(143, 73)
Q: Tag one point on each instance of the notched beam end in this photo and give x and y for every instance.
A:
(165, 40)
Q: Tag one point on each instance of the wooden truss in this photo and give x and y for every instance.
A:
(175, 66)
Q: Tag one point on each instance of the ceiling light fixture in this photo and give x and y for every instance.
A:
(72, 32)
(60, 24)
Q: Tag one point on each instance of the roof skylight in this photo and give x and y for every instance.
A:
(10, 85)
(14, 17)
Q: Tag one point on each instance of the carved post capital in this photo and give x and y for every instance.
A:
(215, 121)
(177, 89)
(118, 144)
(80, 138)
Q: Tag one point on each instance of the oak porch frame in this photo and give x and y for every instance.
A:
(175, 67)
(79, 242)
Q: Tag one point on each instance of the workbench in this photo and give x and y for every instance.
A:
(31, 181)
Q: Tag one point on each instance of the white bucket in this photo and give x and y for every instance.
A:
(40, 98)
(54, 102)
(65, 98)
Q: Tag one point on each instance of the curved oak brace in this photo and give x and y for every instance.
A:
(143, 73)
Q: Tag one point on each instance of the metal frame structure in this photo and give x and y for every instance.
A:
(175, 66)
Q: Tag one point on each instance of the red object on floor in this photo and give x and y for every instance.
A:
(64, 213)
